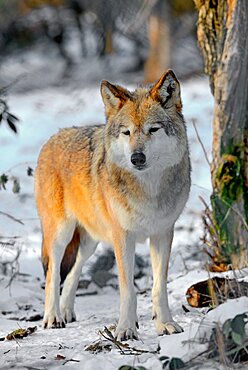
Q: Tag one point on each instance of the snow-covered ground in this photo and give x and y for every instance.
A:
(42, 113)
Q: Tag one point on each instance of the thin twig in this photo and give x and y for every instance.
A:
(201, 143)
(11, 217)
(70, 360)
(28, 163)
(115, 342)
(124, 348)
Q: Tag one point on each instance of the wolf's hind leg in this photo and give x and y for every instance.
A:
(86, 249)
(55, 241)
(160, 253)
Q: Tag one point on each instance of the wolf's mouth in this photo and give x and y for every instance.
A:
(140, 167)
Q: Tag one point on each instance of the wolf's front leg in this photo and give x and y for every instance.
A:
(124, 253)
(160, 253)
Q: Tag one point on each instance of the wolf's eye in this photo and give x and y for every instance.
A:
(153, 129)
(127, 133)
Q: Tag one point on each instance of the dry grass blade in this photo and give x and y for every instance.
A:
(212, 240)
(201, 143)
(221, 345)
(105, 334)
(212, 286)
(208, 213)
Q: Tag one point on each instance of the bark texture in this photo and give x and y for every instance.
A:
(222, 36)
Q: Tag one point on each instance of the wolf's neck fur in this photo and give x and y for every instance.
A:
(151, 181)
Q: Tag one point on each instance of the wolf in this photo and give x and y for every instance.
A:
(121, 182)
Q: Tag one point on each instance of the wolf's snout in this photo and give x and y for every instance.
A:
(138, 159)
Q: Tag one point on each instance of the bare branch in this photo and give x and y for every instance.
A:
(11, 217)
(201, 143)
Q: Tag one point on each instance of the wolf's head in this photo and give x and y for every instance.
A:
(145, 128)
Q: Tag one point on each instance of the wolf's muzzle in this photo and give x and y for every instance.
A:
(138, 159)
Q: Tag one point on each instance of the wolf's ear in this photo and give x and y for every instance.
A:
(113, 96)
(167, 91)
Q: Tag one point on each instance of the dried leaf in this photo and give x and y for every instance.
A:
(219, 267)
(99, 346)
(30, 171)
(216, 290)
(31, 329)
(230, 158)
(16, 186)
(21, 333)
(3, 180)
(60, 357)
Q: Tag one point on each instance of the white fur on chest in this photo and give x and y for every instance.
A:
(155, 213)
(150, 218)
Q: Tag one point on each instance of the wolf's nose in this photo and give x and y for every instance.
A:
(138, 159)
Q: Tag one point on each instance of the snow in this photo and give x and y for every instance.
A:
(223, 312)
(42, 113)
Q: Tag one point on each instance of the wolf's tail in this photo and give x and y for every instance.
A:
(68, 259)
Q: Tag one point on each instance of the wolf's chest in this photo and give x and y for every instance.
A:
(156, 217)
(158, 203)
(151, 216)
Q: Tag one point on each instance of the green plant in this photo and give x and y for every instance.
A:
(228, 200)
(173, 363)
(5, 115)
(230, 342)
(229, 176)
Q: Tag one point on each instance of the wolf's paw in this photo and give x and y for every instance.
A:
(53, 321)
(126, 334)
(169, 327)
(68, 314)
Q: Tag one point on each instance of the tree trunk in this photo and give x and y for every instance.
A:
(223, 38)
(158, 59)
